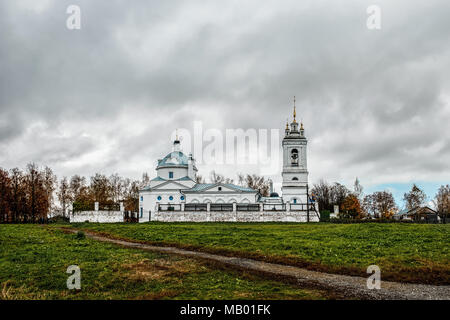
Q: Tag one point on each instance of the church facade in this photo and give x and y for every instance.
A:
(174, 194)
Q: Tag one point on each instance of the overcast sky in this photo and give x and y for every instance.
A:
(106, 98)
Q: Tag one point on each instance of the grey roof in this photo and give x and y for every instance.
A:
(173, 159)
(185, 178)
(203, 186)
(148, 188)
(413, 211)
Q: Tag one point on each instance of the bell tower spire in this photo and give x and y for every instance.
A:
(294, 124)
(295, 113)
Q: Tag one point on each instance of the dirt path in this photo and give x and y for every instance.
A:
(346, 286)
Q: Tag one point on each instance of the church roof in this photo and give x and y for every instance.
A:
(148, 188)
(185, 178)
(173, 159)
(203, 186)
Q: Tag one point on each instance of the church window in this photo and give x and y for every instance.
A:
(182, 198)
(170, 198)
(170, 175)
(295, 200)
(142, 198)
(295, 178)
(220, 188)
(159, 198)
(294, 157)
(142, 212)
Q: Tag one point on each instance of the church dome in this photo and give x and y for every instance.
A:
(274, 195)
(173, 159)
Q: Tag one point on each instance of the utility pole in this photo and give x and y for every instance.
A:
(307, 203)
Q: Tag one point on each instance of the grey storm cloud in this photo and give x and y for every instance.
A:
(107, 97)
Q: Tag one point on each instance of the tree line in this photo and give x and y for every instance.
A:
(26, 196)
(29, 196)
(353, 204)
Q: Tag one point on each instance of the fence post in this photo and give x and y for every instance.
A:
(182, 206)
(95, 206)
(121, 207)
(208, 211)
(288, 206)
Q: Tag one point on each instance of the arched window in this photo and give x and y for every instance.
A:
(294, 178)
(294, 157)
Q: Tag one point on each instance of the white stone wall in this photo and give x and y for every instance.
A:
(238, 197)
(230, 216)
(97, 216)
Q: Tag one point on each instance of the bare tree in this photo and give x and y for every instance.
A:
(78, 188)
(199, 179)
(215, 177)
(338, 193)
(50, 181)
(100, 189)
(322, 193)
(385, 204)
(442, 202)
(380, 204)
(64, 195)
(37, 195)
(255, 182)
(414, 199)
(116, 187)
(5, 196)
(18, 197)
(370, 205)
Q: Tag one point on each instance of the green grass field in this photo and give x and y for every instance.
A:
(404, 252)
(34, 260)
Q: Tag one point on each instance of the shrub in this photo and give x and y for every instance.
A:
(80, 235)
(325, 216)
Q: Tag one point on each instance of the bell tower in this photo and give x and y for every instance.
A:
(295, 169)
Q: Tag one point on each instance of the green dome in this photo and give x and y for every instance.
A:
(173, 159)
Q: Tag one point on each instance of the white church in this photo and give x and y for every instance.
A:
(174, 195)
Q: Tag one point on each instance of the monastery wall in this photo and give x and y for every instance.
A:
(233, 216)
(97, 216)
